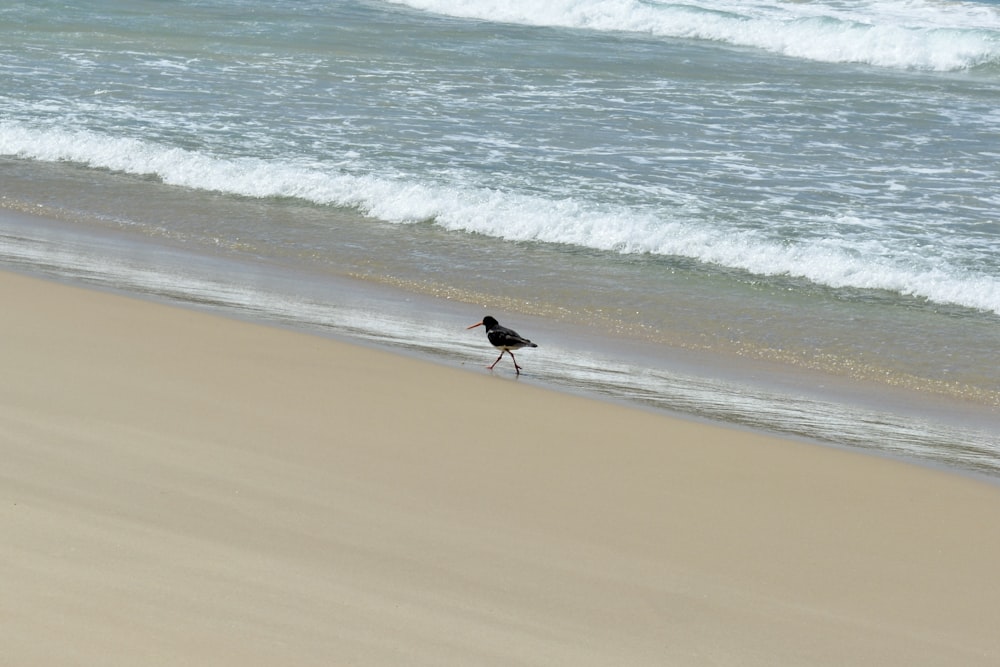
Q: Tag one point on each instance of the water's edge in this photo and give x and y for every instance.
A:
(956, 435)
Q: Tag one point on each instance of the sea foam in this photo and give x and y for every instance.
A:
(834, 262)
(912, 35)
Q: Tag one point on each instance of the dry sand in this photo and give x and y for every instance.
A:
(179, 488)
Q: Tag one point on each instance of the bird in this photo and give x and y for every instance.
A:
(503, 339)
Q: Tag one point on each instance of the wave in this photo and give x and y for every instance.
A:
(902, 34)
(510, 216)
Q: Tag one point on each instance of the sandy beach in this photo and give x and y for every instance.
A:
(180, 488)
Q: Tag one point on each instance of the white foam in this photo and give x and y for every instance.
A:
(907, 34)
(834, 261)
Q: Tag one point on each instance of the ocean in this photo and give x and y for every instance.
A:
(780, 215)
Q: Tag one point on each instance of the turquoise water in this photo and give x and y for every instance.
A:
(782, 215)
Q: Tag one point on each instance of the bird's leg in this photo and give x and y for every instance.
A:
(497, 361)
(517, 369)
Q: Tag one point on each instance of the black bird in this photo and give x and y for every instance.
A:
(503, 339)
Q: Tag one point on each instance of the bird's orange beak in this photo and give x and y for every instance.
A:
(475, 325)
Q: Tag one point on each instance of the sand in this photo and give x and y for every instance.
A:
(180, 488)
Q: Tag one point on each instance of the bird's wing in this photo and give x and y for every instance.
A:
(507, 338)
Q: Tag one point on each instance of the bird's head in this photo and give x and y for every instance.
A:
(489, 322)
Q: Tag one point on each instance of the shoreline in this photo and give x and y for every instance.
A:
(762, 396)
(180, 486)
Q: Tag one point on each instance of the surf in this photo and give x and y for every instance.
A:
(918, 36)
(833, 262)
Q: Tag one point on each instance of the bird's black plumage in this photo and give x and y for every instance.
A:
(503, 339)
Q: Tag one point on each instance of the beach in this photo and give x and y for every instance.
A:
(182, 488)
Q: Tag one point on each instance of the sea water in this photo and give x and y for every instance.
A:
(784, 215)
